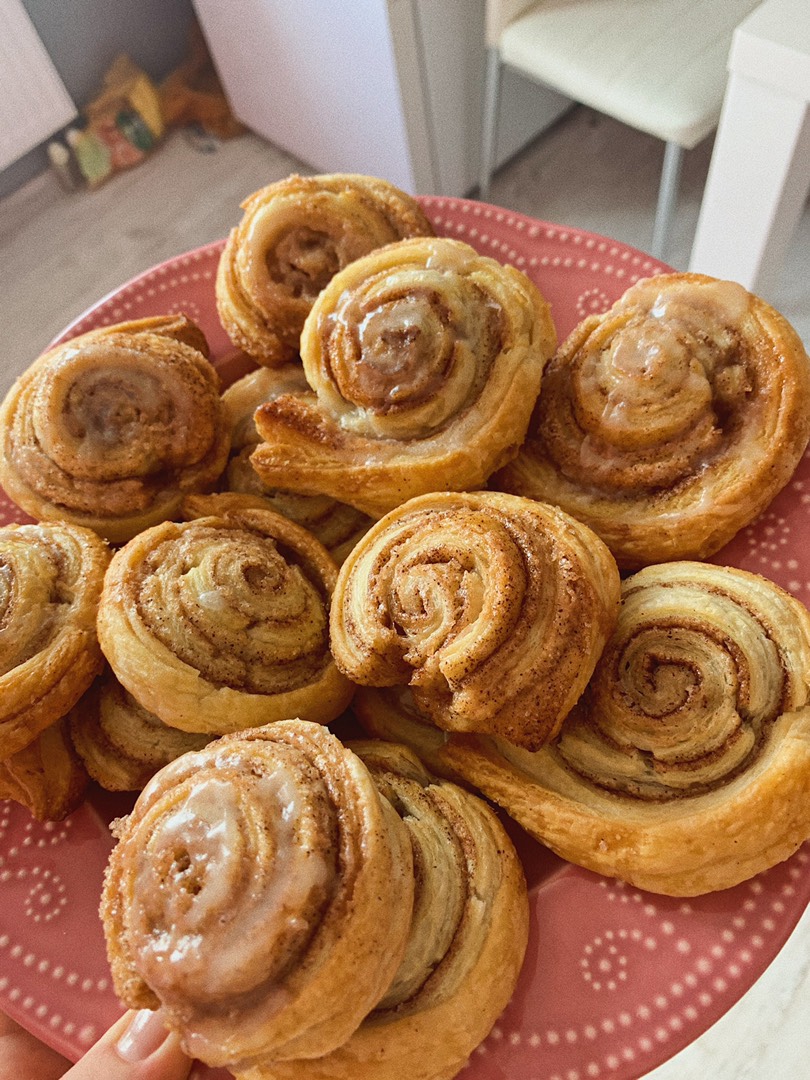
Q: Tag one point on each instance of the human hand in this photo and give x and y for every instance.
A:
(136, 1047)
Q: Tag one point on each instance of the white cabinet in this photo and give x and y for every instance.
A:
(392, 88)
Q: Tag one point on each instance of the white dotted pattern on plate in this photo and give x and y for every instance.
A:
(42, 899)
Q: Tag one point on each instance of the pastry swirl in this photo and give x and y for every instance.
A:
(121, 744)
(111, 429)
(337, 525)
(467, 940)
(51, 577)
(493, 608)
(46, 777)
(685, 767)
(671, 421)
(425, 360)
(221, 623)
(280, 883)
(294, 236)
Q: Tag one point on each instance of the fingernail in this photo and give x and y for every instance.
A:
(144, 1034)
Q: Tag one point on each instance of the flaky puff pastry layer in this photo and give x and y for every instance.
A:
(111, 429)
(51, 577)
(685, 768)
(47, 776)
(121, 744)
(467, 940)
(337, 525)
(425, 361)
(221, 623)
(494, 609)
(261, 892)
(390, 713)
(671, 421)
(294, 236)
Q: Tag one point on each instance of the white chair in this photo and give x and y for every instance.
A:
(656, 65)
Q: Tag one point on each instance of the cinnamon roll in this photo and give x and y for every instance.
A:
(685, 768)
(51, 577)
(337, 525)
(261, 893)
(121, 744)
(671, 421)
(111, 429)
(46, 777)
(467, 940)
(425, 361)
(294, 236)
(221, 623)
(494, 609)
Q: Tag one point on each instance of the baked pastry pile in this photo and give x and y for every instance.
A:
(422, 518)
(301, 909)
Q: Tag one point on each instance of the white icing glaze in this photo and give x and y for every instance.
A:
(205, 841)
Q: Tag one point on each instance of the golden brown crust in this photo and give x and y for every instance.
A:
(493, 608)
(294, 236)
(389, 713)
(337, 525)
(671, 421)
(50, 584)
(466, 944)
(280, 883)
(46, 777)
(111, 429)
(685, 768)
(122, 744)
(221, 623)
(425, 360)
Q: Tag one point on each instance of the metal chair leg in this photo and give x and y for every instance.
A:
(667, 193)
(492, 89)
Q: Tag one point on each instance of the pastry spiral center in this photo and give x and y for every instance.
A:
(680, 703)
(652, 394)
(232, 880)
(253, 619)
(413, 347)
(304, 260)
(102, 413)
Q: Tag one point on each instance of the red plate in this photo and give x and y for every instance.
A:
(615, 980)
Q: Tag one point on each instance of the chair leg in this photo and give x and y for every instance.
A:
(492, 89)
(667, 193)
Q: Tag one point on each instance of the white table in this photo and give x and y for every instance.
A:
(759, 174)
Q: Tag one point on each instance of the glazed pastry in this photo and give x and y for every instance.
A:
(671, 421)
(337, 525)
(111, 429)
(467, 939)
(686, 766)
(221, 623)
(293, 237)
(121, 744)
(492, 608)
(276, 880)
(50, 584)
(425, 361)
(46, 777)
